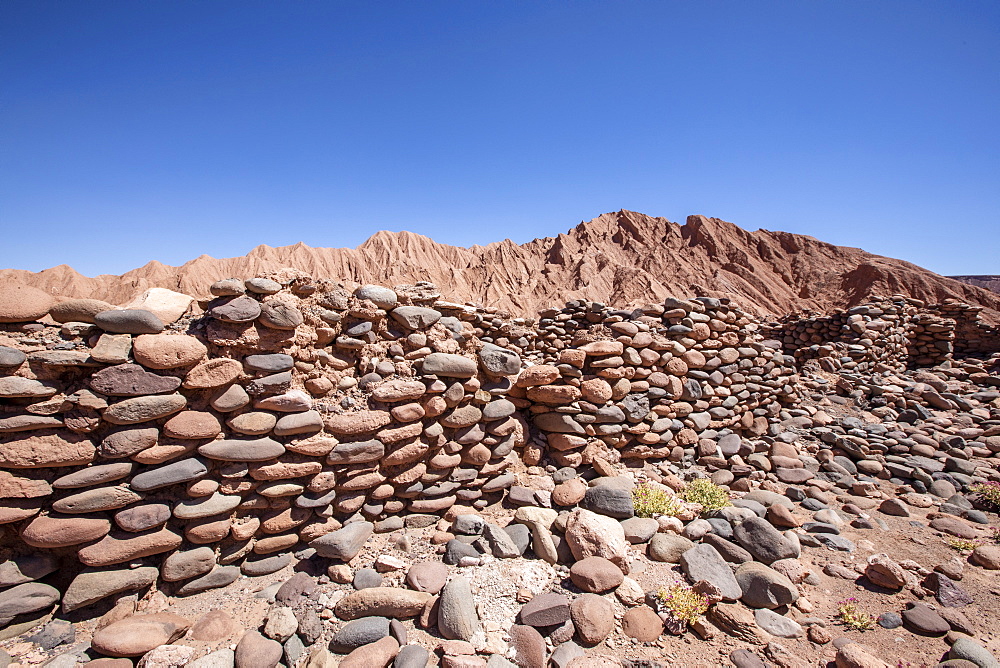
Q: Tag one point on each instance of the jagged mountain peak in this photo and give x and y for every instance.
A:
(624, 258)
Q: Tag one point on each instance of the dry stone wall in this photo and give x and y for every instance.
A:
(186, 444)
(887, 334)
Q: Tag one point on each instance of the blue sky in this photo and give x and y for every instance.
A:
(133, 131)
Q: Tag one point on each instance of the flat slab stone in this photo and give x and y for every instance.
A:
(144, 409)
(131, 380)
(216, 504)
(703, 562)
(243, 450)
(184, 470)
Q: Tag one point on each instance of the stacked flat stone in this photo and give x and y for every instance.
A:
(930, 339)
(888, 333)
(971, 337)
(663, 381)
(864, 338)
(139, 445)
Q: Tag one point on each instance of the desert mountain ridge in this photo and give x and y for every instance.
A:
(988, 282)
(622, 258)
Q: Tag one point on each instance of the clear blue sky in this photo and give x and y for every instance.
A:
(132, 131)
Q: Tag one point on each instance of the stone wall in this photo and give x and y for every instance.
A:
(887, 334)
(187, 444)
(864, 338)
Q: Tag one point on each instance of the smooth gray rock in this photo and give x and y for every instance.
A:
(497, 361)
(240, 309)
(703, 562)
(758, 537)
(345, 543)
(970, 650)
(668, 547)
(448, 365)
(380, 296)
(777, 625)
(27, 568)
(640, 529)
(184, 470)
(94, 584)
(278, 315)
(609, 500)
(359, 632)
(366, 578)
(411, 656)
(242, 450)
(24, 598)
(129, 321)
(520, 534)
(271, 363)
(262, 286)
(457, 615)
(265, 564)
(501, 544)
(764, 587)
(11, 357)
(415, 317)
(220, 576)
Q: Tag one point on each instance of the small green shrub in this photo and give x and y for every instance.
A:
(705, 492)
(849, 615)
(650, 501)
(988, 493)
(963, 544)
(682, 603)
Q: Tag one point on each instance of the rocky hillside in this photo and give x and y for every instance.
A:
(986, 282)
(623, 258)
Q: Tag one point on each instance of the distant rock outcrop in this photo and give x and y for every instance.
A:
(987, 282)
(623, 258)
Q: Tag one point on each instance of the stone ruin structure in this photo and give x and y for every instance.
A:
(188, 444)
(888, 333)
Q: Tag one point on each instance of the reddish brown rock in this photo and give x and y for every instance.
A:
(378, 654)
(119, 548)
(44, 449)
(23, 303)
(213, 373)
(213, 626)
(60, 531)
(357, 423)
(593, 617)
(18, 487)
(131, 380)
(538, 375)
(167, 351)
(256, 651)
(134, 636)
(78, 310)
(596, 575)
(529, 646)
(192, 425)
(642, 624)
(569, 493)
